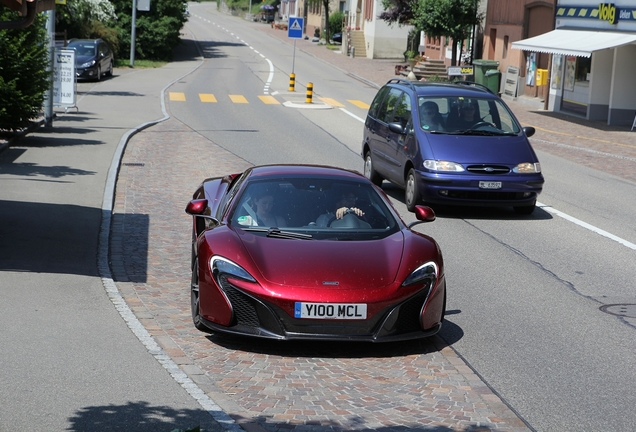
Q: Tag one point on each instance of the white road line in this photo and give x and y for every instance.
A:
(361, 120)
(586, 225)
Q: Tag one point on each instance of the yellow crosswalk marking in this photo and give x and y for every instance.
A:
(269, 100)
(331, 102)
(359, 104)
(206, 97)
(178, 97)
(238, 99)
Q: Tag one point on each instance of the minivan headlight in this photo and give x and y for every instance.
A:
(87, 64)
(527, 168)
(435, 165)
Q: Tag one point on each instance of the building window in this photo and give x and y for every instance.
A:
(583, 65)
(505, 47)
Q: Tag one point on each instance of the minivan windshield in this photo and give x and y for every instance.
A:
(460, 114)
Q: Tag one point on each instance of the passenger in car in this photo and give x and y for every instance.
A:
(260, 212)
(430, 118)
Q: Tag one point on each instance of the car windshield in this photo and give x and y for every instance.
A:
(470, 115)
(313, 209)
(83, 49)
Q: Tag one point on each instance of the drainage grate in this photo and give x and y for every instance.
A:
(134, 164)
(623, 310)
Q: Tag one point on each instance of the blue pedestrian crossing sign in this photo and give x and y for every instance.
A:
(295, 29)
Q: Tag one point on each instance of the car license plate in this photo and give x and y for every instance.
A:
(489, 185)
(347, 311)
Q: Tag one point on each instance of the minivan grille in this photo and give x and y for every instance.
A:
(488, 169)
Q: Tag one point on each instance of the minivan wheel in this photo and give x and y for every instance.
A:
(369, 172)
(411, 191)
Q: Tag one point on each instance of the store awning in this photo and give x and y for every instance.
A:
(581, 43)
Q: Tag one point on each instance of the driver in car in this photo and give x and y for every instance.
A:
(468, 116)
(346, 204)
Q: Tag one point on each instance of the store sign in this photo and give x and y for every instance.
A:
(604, 12)
(460, 70)
(607, 12)
(64, 78)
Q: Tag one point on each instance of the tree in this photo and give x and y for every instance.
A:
(158, 30)
(325, 6)
(24, 78)
(437, 18)
(88, 19)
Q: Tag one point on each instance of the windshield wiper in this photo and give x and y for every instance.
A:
(277, 233)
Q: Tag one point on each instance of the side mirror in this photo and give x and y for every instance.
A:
(196, 207)
(397, 128)
(529, 131)
(423, 214)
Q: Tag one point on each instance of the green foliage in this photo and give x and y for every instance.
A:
(157, 32)
(449, 18)
(335, 22)
(23, 71)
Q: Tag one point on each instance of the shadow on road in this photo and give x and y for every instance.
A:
(137, 416)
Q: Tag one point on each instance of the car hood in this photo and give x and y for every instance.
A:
(325, 263)
(470, 149)
(83, 59)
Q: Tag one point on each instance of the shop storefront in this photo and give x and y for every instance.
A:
(593, 65)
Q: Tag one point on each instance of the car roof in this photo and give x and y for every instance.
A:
(452, 89)
(267, 171)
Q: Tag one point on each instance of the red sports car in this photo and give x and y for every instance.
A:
(311, 252)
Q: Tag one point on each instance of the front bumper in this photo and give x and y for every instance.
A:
(402, 321)
(463, 189)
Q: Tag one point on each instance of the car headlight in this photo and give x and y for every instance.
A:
(435, 165)
(87, 64)
(223, 266)
(527, 168)
(421, 274)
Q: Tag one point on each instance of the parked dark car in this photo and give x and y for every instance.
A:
(311, 252)
(93, 58)
(450, 143)
(337, 37)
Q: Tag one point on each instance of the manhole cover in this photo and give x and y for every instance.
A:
(624, 310)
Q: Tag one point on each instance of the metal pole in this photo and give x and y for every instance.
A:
(294, 56)
(48, 103)
(132, 33)
(249, 12)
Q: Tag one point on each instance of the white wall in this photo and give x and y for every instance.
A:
(601, 77)
(382, 40)
(623, 91)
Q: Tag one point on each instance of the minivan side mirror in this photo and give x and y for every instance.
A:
(529, 131)
(397, 128)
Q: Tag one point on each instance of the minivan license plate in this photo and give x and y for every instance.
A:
(489, 185)
(347, 311)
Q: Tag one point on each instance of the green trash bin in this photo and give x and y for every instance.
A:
(492, 80)
(481, 67)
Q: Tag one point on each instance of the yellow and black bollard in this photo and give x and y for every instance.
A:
(292, 82)
(310, 92)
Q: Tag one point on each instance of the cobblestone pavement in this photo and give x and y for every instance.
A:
(319, 386)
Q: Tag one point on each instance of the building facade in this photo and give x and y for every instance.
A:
(593, 49)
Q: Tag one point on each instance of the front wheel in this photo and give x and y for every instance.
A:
(370, 172)
(411, 191)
